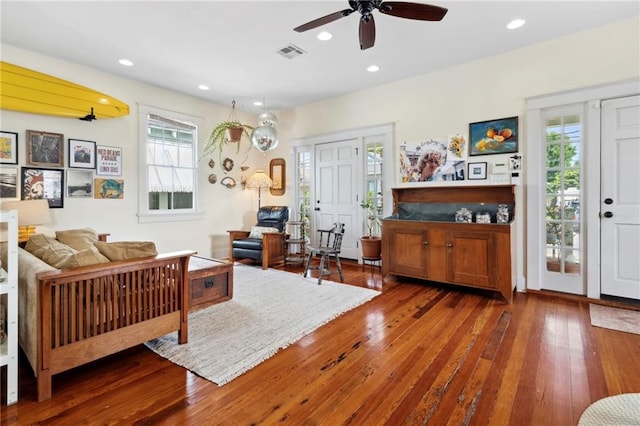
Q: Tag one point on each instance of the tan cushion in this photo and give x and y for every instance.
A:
(123, 250)
(79, 239)
(90, 256)
(48, 249)
(257, 231)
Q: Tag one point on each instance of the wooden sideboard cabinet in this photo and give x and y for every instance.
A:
(422, 240)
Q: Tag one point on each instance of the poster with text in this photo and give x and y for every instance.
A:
(109, 161)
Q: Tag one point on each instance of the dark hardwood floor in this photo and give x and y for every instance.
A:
(419, 353)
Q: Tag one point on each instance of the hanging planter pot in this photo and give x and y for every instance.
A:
(228, 131)
(234, 134)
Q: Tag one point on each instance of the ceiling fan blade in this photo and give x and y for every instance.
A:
(419, 11)
(367, 32)
(324, 20)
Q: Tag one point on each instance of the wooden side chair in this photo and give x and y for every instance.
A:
(329, 245)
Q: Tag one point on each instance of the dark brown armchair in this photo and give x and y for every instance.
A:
(265, 242)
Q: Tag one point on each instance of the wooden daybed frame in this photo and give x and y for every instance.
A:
(93, 311)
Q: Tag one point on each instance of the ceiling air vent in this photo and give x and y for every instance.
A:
(291, 51)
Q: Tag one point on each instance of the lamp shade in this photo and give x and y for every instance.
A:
(259, 180)
(30, 212)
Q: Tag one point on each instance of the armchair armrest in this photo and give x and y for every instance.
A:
(235, 235)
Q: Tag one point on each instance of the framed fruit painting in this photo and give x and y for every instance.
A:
(493, 136)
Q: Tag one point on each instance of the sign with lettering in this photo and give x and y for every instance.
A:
(109, 161)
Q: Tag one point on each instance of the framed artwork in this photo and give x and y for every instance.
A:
(477, 171)
(48, 184)
(109, 189)
(493, 136)
(277, 175)
(108, 161)
(82, 154)
(45, 149)
(429, 161)
(9, 182)
(8, 147)
(79, 183)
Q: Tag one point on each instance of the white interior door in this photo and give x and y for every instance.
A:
(620, 198)
(336, 184)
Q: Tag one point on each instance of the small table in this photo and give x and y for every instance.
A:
(373, 262)
(210, 282)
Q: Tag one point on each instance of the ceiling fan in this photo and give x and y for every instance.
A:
(401, 9)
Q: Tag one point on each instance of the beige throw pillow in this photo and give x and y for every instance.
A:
(48, 249)
(79, 239)
(123, 250)
(90, 256)
(257, 231)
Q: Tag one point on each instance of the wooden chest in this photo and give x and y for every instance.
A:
(210, 282)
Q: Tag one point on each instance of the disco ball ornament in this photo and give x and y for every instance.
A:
(267, 119)
(264, 138)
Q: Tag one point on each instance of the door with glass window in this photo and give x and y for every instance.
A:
(563, 237)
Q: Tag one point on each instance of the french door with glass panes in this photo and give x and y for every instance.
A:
(562, 243)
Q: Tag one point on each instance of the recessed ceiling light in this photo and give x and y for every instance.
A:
(257, 103)
(203, 87)
(516, 23)
(324, 36)
(373, 68)
(125, 62)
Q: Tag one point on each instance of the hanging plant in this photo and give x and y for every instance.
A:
(230, 131)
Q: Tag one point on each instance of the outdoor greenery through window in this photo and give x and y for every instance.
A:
(373, 182)
(171, 148)
(303, 165)
(563, 195)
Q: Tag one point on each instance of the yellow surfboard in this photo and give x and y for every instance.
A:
(25, 90)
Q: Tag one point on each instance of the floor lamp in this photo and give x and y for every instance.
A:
(259, 180)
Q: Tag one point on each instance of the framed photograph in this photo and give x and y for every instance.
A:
(493, 136)
(45, 149)
(477, 171)
(108, 161)
(8, 147)
(277, 175)
(48, 184)
(9, 182)
(82, 154)
(79, 183)
(109, 189)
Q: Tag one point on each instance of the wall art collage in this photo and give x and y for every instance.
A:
(450, 158)
(44, 176)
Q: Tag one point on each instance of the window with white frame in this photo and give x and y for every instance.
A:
(168, 157)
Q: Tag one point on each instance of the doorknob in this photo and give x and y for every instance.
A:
(608, 201)
(608, 214)
(317, 209)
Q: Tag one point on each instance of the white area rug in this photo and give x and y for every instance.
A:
(619, 410)
(269, 311)
(615, 318)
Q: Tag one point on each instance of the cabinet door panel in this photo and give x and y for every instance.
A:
(472, 258)
(408, 252)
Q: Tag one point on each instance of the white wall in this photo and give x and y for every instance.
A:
(224, 208)
(443, 103)
(431, 105)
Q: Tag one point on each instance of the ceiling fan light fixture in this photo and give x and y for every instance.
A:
(516, 23)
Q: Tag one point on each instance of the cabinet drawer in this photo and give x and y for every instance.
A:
(209, 289)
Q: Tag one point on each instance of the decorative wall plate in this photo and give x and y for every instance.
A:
(227, 164)
(212, 163)
(213, 178)
(229, 182)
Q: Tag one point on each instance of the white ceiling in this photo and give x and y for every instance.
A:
(232, 46)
